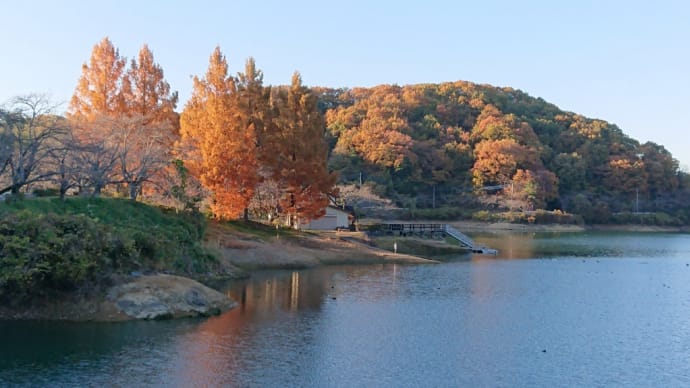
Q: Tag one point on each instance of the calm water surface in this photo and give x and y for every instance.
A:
(550, 310)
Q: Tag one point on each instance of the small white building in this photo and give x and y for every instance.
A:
(333, 219)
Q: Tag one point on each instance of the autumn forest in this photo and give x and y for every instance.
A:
(242, 149)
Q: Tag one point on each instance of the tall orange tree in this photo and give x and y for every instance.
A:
(218, 141)
(296, 153)
(99, 90)
(150, 126)
(146, 92)
(97, 99)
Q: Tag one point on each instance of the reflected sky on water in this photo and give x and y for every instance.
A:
(586, 309)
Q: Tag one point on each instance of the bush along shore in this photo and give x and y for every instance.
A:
(72, 252)
(109, 259)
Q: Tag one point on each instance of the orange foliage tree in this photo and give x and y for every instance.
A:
(129, 114)
(150, 126)
(626, 175)
(496, 161)
(218, 140)
(146, 92)
(99, 90)
(295, 153)
(375, 128)
(534, 187)
(97, 99)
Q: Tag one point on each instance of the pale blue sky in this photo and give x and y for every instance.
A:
(626, 62)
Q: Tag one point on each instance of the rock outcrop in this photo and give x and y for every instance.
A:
(167, 296)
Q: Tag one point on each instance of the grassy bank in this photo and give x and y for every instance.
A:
(48, 245)
(427, 248)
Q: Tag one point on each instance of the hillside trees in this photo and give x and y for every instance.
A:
(456, 136)
(661, 168)
(375, 131)
(496, 161)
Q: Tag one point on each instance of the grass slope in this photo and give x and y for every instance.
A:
(51, 245)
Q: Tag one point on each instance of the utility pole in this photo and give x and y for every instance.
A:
(637, 190)
(433, 197)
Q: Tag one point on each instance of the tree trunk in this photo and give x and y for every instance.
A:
(63, 191)
(133, 191)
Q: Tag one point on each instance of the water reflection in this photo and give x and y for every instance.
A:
(270, 292)
(556, 318)
(525, 245)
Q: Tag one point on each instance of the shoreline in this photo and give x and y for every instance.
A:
(474, 226)
(306, 250)
(162, 296)
(239, 254)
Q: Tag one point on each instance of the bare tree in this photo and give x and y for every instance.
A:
(264, 203)
(96, 161)
(143, 149)
(121, 149)
(175, 187)
(6, 144)
(29, 131)
(95, 153)
(64, 164)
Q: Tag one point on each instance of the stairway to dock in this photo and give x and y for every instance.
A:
(466, 241)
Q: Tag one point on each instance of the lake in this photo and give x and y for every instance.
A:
(573, 309)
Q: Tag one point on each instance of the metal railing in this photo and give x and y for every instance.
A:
(461, 237)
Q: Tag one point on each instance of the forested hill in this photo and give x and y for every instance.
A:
(457, 143)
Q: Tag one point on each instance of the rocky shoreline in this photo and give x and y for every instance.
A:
(166, 296)
(142, 297)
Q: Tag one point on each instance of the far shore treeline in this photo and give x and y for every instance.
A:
(242, 149)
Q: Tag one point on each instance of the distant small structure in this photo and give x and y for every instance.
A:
(335, 218)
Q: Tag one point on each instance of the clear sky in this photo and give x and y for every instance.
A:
(626, 62)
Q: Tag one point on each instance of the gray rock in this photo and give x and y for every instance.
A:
(167, 296)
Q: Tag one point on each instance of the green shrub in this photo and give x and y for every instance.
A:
(440, 213)
(535, 217)
(49, 244)
(483, 216)
(50, 252)
(657, 219)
